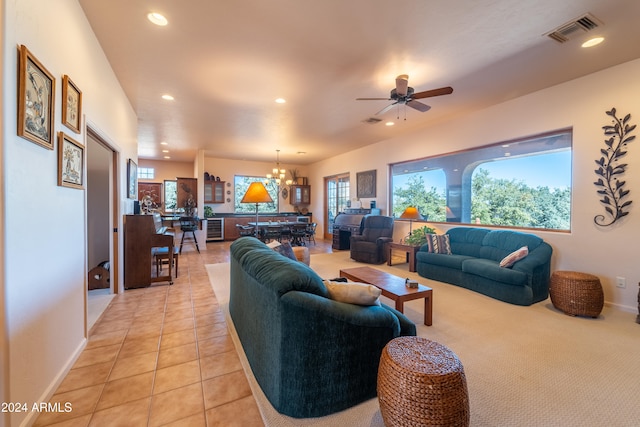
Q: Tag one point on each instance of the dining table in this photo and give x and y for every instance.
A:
(264, 227)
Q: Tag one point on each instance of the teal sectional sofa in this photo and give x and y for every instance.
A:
(311, 355)
(474, 263)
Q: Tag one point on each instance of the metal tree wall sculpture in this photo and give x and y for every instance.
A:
(610, 185)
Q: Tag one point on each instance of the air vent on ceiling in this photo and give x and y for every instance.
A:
(372, 120)
(576, 27)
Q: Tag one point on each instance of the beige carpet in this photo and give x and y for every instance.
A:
(525, 366)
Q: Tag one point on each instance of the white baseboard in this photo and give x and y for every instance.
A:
(625, 308)
(51, 389)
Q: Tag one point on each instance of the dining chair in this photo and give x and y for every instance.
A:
(311, 232)
(273, 233)
(245, 230)
(298, 234)
(285, 231)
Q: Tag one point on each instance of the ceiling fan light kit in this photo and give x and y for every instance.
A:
(403, 94)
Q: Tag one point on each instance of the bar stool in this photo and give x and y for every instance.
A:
(189, 224)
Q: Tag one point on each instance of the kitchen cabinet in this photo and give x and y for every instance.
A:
(214, 191)
(300, 195)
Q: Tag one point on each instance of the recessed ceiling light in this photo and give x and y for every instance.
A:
(165, 151)
(280, 101)
(167, 157)
(593, 42)
(389, 124)
(168, 97)
(164, 143)
(157, 19)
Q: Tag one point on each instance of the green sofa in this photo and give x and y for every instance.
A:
(311, 355)
(474, 264)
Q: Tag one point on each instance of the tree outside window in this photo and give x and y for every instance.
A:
(524, 183)
(170, 196)
(241, 184)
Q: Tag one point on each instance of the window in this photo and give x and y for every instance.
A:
(170, 195)
(241, 184)
(522, 183)
(146, 173)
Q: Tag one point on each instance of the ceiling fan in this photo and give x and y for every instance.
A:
(404, 94)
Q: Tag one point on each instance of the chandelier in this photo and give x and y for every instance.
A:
(277, 174)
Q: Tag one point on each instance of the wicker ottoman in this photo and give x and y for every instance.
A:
(576, 294)
(421, 383)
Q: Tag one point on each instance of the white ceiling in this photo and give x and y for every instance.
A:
(225, 62)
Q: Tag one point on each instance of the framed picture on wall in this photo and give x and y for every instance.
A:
(132, 179)
(366, 184)
(71, 104)
(70, 162)
(36, 92)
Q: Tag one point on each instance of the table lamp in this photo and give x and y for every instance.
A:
(411, 213)
(256, 193)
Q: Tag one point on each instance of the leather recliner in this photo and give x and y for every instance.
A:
(369, 246)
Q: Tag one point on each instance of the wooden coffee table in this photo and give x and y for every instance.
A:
(392, 287)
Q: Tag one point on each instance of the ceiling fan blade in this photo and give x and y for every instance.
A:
(418, 105)
(385, 109)
(373, 99)
(402, 83)
(434, 92)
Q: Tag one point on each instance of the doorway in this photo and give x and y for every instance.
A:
(336, 190)
(102, 241)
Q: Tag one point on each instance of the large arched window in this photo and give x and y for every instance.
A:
(521, 183)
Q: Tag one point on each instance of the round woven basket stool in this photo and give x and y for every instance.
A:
(421, 383)
(576, 294)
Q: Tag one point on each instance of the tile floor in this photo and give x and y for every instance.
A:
(161, 356)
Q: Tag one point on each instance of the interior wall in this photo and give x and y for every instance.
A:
(607, 252)
(98, 203)
(167, 170)
(45, 271)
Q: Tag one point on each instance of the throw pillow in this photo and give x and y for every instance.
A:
(439, 243)
(283, 249)
(353, 293)
(514, 256)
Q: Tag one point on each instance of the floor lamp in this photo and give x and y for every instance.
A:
(411, 213)
(256, 193)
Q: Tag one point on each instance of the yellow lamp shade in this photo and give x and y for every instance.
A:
(411, 212)
(256, 193)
